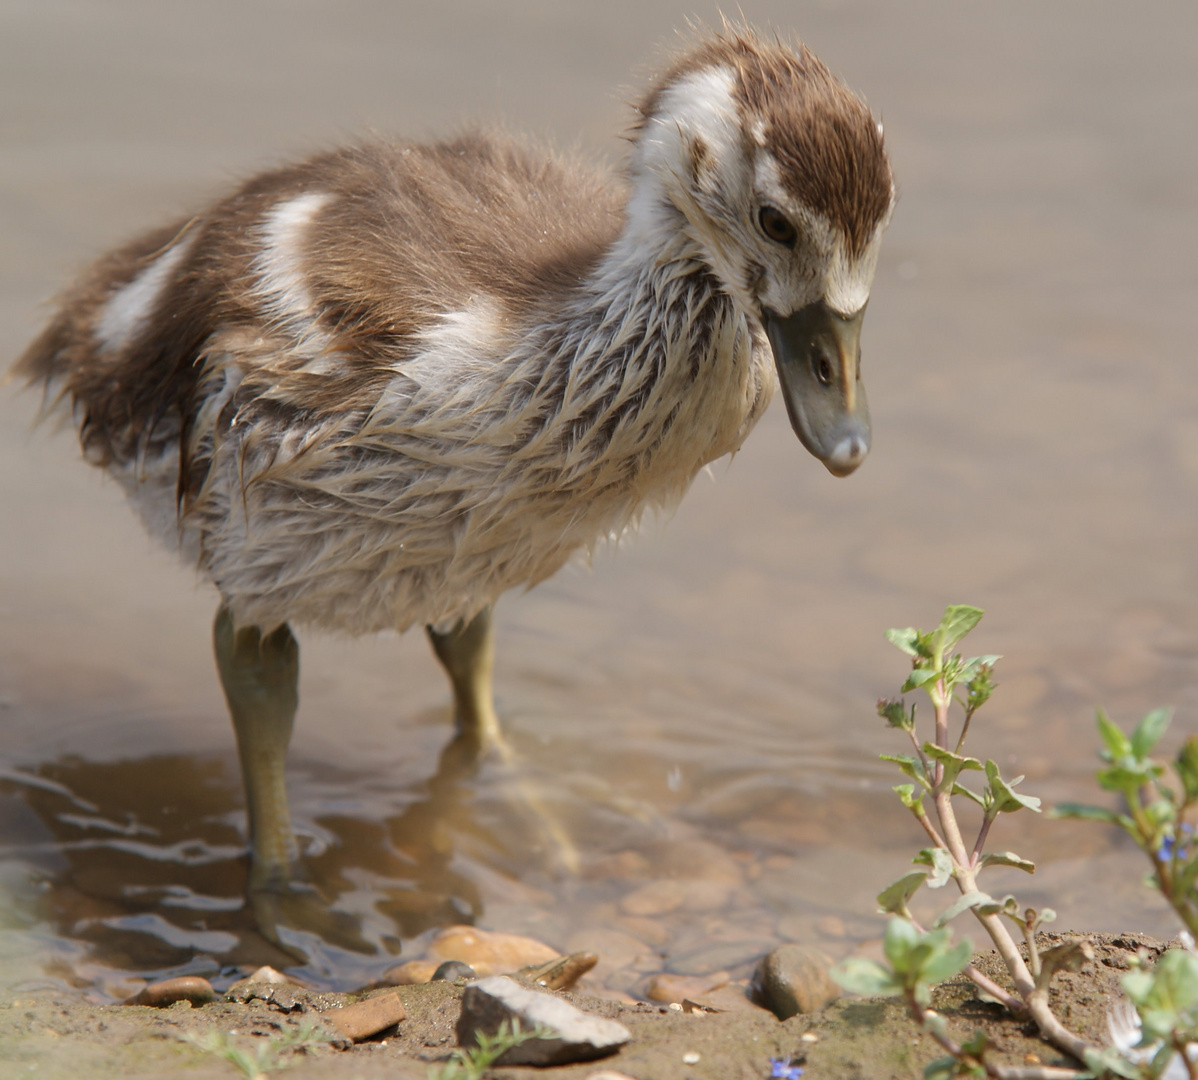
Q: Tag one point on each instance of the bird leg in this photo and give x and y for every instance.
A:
(467, 652)
(260, 676)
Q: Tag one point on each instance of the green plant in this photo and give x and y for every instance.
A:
(264, 1057)
(1155, 1031)
(473, 1063)
(917, 958)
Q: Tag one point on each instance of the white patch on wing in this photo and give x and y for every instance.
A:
(458, 347)
(130, 307)
(282, 286)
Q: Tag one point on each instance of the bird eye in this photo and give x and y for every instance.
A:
(777, 226)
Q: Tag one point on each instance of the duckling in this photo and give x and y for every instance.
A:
(383, 386)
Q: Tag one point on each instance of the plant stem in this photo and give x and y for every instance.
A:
(998, 1072)
(1005, 998)
(983, 832)
(1033, 954)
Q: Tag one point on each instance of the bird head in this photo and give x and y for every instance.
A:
(781, 179)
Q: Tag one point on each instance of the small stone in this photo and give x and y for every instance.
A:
(690, 1058)
(719, 956)
(809, 1037)
(794, 979)
(560, 974)
(666, 987)
(453, 969)
(487, 952)
(365, 1018)
(615, 950)
(707, 895)
(830, 926)
(732, 997)
(655, 898)
(268, 976)
(607, 1074)
(578, 1036)
(189, 988)
(411, 973)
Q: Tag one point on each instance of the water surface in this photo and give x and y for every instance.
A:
(699, 704)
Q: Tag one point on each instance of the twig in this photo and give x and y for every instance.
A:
(983, 832)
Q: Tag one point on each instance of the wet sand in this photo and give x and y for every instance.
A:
(1028, 353)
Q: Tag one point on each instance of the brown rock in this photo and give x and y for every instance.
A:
(621, 864)
(650, 931)
(794, 979)
(410, 973)
(655, 898)
(707, 895)
(487, 952)
(560, 974)
(666, 988)
(365, 1018)
(185, 988)
(731, 997)
(694, 860)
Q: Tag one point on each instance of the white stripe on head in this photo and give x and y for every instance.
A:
(130, 307)
(280, 263)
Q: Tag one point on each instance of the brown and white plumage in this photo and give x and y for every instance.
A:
(383, 386)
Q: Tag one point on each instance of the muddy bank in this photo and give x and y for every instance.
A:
(58, 1034)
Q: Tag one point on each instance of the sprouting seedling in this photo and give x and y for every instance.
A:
(472, 1063)
(266, 1055)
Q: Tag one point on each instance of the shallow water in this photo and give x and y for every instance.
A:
(698, 705)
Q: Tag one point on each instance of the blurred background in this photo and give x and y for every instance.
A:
(698, 706)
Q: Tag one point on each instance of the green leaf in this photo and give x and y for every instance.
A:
(946, 964)
(1002, 797)
(958, 620)
(918, 678)
(1187, 768)
(1118, 745)
(858, 975)
(1149, 731)
(941, 863)
(962, 903)
(1008, 905)
(907, 640)
(944, 1068)
(900, 944)
(953, 764)
(961, 789)
(913, 767)
(1085, 812)
(1047, 915)
(1167, 996)
(910, 796)
(1008, 858)
(892, 900)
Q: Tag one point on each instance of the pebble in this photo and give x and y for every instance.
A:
(267, 974)
(579, 1036)
(712, 958)
(794, 979)
(560, 974)
(690, 1058)
(650, 931)
(615, 948)
(365, 1018)
(607, 1074)
(732, 997)
(694, 860)
(830, 926)
(189, 988)
(411, 972)
(453, 969)
(621, 865)
(666, 987)
(489, 953)
(655, 898)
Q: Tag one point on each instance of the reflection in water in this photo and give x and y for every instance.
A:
(145, 861)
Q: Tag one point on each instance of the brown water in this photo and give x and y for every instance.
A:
(699, 704)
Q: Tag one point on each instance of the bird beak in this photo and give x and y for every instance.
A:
(818, 355)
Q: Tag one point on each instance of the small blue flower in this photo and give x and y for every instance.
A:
(1169, 848)
(781, 1069)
